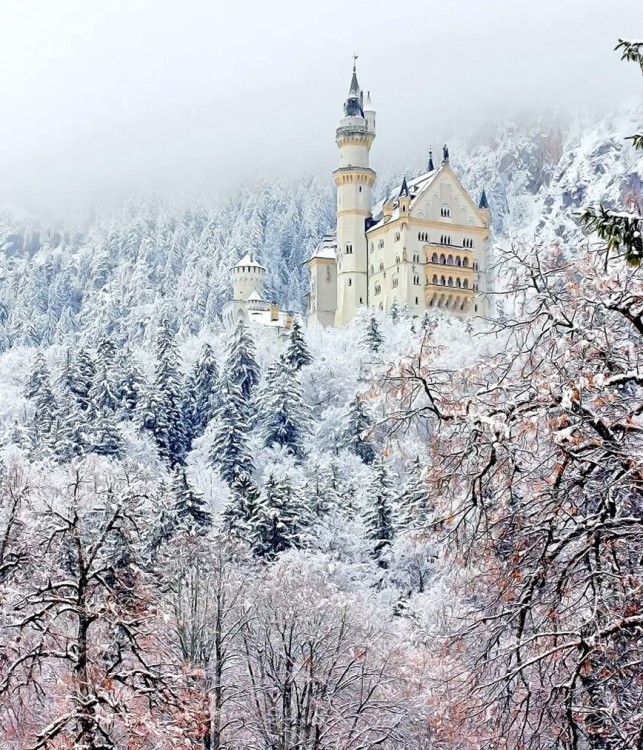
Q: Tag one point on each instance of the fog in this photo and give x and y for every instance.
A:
(126, 94)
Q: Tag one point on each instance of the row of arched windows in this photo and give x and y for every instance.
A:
(450, 260)
(442, 281)
(445, 239)
(450, 304)
(445, 211)
(467, 242)
(423, 236)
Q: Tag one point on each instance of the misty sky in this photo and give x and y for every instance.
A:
(101, 93)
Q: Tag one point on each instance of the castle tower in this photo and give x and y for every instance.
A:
(354, 180)
(248, 277)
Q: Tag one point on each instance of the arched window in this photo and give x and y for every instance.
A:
(416, 280)
(381, 265)
(350, 282)
(458, 260)
(397, 259)
(417, 300)
(435, 280)
(450, 260)
(395, 282)
(465, 262)
(380, 244)
(475, 265)
(445, 211)
(443, 259)
(465, 284)
(349, 248)
(434, 258)
(443, 281)
(458, 283)
(397, 236)
(378, 289)
(450, 280)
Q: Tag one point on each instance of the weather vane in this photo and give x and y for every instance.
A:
(355, 62)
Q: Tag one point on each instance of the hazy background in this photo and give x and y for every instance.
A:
(104, 95)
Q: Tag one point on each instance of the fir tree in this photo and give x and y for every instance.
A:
(199, 403)
(132, 385)
(81, 378)
(189, 508)
(297, 355)
(241, 368)
(229, 452)
(373, 337)
(280, 520)
(394, 312)
(106, 439)
(105, 391)
(285, 415)
(379, 516)
(240, 515)
(46, 419)
(359, 423)
(162, 413)
(414, 500)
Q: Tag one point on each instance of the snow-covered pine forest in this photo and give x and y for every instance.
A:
(402, 534)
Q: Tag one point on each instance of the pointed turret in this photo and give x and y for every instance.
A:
(484, 203)
(369, 113)
(430, 166)
(353, 105)
(404, 190)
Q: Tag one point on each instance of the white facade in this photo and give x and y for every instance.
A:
(423, 247)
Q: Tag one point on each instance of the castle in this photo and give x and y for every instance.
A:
(423, 247)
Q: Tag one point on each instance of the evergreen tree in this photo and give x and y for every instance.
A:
(229, 452)
(189, 508)
(322, 492)
(199, 403)
(132, 385)
(162, 413)
(284, 413)
(359, 423)
(240, 515)
(297, 355)
(379, 516)
(81, 378)
(394, 312)
(106, 439)
(414, 500)
(373, 338)
(46, 417)
(105, 391)
(241, 368)
(280, 520)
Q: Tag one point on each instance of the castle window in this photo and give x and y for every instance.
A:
(360, 188)
(416, 258)
(381, 307)
(458, 283)
(445, 211)
(475, 287)
(395, 282)
(465, 262)
(476, 308)
(443, 259)
(475, 266)
(435, 280)
(450, 281)
(372, 248)
(381, 265)
(380, 244)
(443, 281)
(450, 260)
(361, 301)
(349, 249)
(434, 258)
(417, 300)
(465, 284)
(458, 260)
(397, 236)
(372, 269)
(416, 280)
(378, 289)
(350, 282)
(397, 259)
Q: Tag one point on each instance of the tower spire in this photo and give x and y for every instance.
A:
(404, 190)
(353, 106)
(430, 166)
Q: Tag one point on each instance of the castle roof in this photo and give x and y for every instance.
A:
(254, 296)
(327, 248)
(413, 188)
(484, 203)
(249, 260)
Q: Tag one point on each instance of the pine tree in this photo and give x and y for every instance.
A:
(414, 500)
(240, 515)
(162, 412)
(322, 492)
(132, 385)
(394, 312)
(190, 511)
(359, 423)
(106, 439)
(297, 355)
(280, 520)
(81, 378)
(46, 420)
(229, 452)
(373, 338)
(105, 391)
(241, 368)
(379, 516)
(199, 403)
(285, 416)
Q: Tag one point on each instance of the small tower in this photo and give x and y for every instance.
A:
(322, 300)
(354, 180)
(248, 276)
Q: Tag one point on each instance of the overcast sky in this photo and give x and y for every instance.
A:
(100, 93)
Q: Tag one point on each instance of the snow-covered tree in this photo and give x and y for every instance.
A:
(360, 423)
(380, 517)
(280, 520)
(199, 402)
(284, 414)
(373, 338)
(297, 354)
(229, 452)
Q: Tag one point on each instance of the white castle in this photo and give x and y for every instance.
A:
(423, 247)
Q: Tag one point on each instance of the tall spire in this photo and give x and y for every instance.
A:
(430, 167)
(404, 190)
(353, 105)
(484, 203)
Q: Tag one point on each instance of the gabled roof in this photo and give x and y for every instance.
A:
(254, 296)
(414, 186)
(327, 248)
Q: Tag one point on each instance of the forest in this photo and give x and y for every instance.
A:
(407, 533)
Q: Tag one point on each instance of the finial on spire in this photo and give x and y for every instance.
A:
(445, 154)
(355, 62)
(430, 166)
